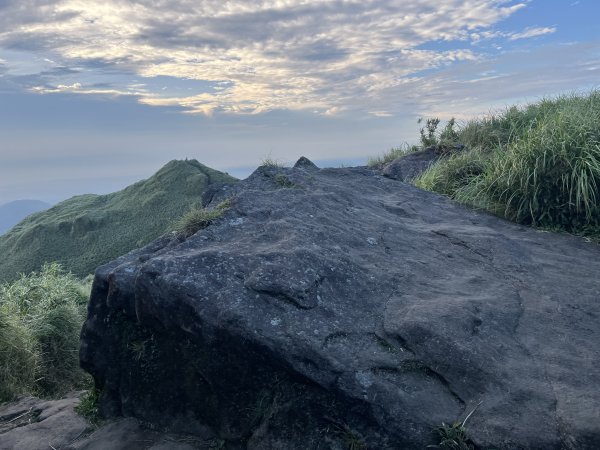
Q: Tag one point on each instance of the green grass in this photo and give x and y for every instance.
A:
(283, 181)
(392, 154)
(88, 406)
(40, 320)
(19, 359)
(268, 161)
(443, 141)
(197, 219)
(351, 439)
(86, 231)
(453, 437)
(538, 165)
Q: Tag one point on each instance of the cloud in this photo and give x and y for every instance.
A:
(315, 55)
(512, 36)
(78, 88)
(491, 84)
(531, 32)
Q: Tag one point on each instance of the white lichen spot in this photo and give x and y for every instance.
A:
(372, 240)
(275, 321)
(236, 222)
(364, 379)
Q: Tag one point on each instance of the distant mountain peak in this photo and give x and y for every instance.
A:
(86, 231)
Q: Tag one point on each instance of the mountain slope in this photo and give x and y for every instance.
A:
(88, 230)
(12, 213)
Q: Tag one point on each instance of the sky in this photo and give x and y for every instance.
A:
(97, 94)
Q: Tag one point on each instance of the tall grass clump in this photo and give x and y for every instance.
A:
(197, 219)
(454, 172)
(538, 165)
(19, 358)
(41, 315)
(392, 154)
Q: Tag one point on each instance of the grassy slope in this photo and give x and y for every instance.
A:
(538, 165)
(88, 230)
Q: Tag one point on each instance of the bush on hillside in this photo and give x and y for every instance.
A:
(539, 165)
(41, 315)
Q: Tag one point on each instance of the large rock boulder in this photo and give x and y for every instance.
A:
(337, 308)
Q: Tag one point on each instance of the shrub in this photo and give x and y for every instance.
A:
(429, 131)
(41, 315)
(448, 138)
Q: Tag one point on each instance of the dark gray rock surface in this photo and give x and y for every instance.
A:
(128, 434)
(411, 165)
(34, 424)
(337, 306)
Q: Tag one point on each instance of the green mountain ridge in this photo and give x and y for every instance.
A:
(88, 230)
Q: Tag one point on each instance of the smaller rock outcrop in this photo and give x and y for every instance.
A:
(34, 424)
(411, 165)
(305, 163)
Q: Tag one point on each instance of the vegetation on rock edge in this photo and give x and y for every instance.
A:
(538, 165)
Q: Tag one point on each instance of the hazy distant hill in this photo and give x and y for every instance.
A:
(12, 213)
(88, 230)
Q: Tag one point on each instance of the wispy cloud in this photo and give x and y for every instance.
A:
(489, 85)
(513, 35)
(78, 88)
(326, 56)
(531, 32)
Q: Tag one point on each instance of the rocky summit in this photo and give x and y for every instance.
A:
(339, 308)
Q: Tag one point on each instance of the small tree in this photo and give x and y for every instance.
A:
(428, 132)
